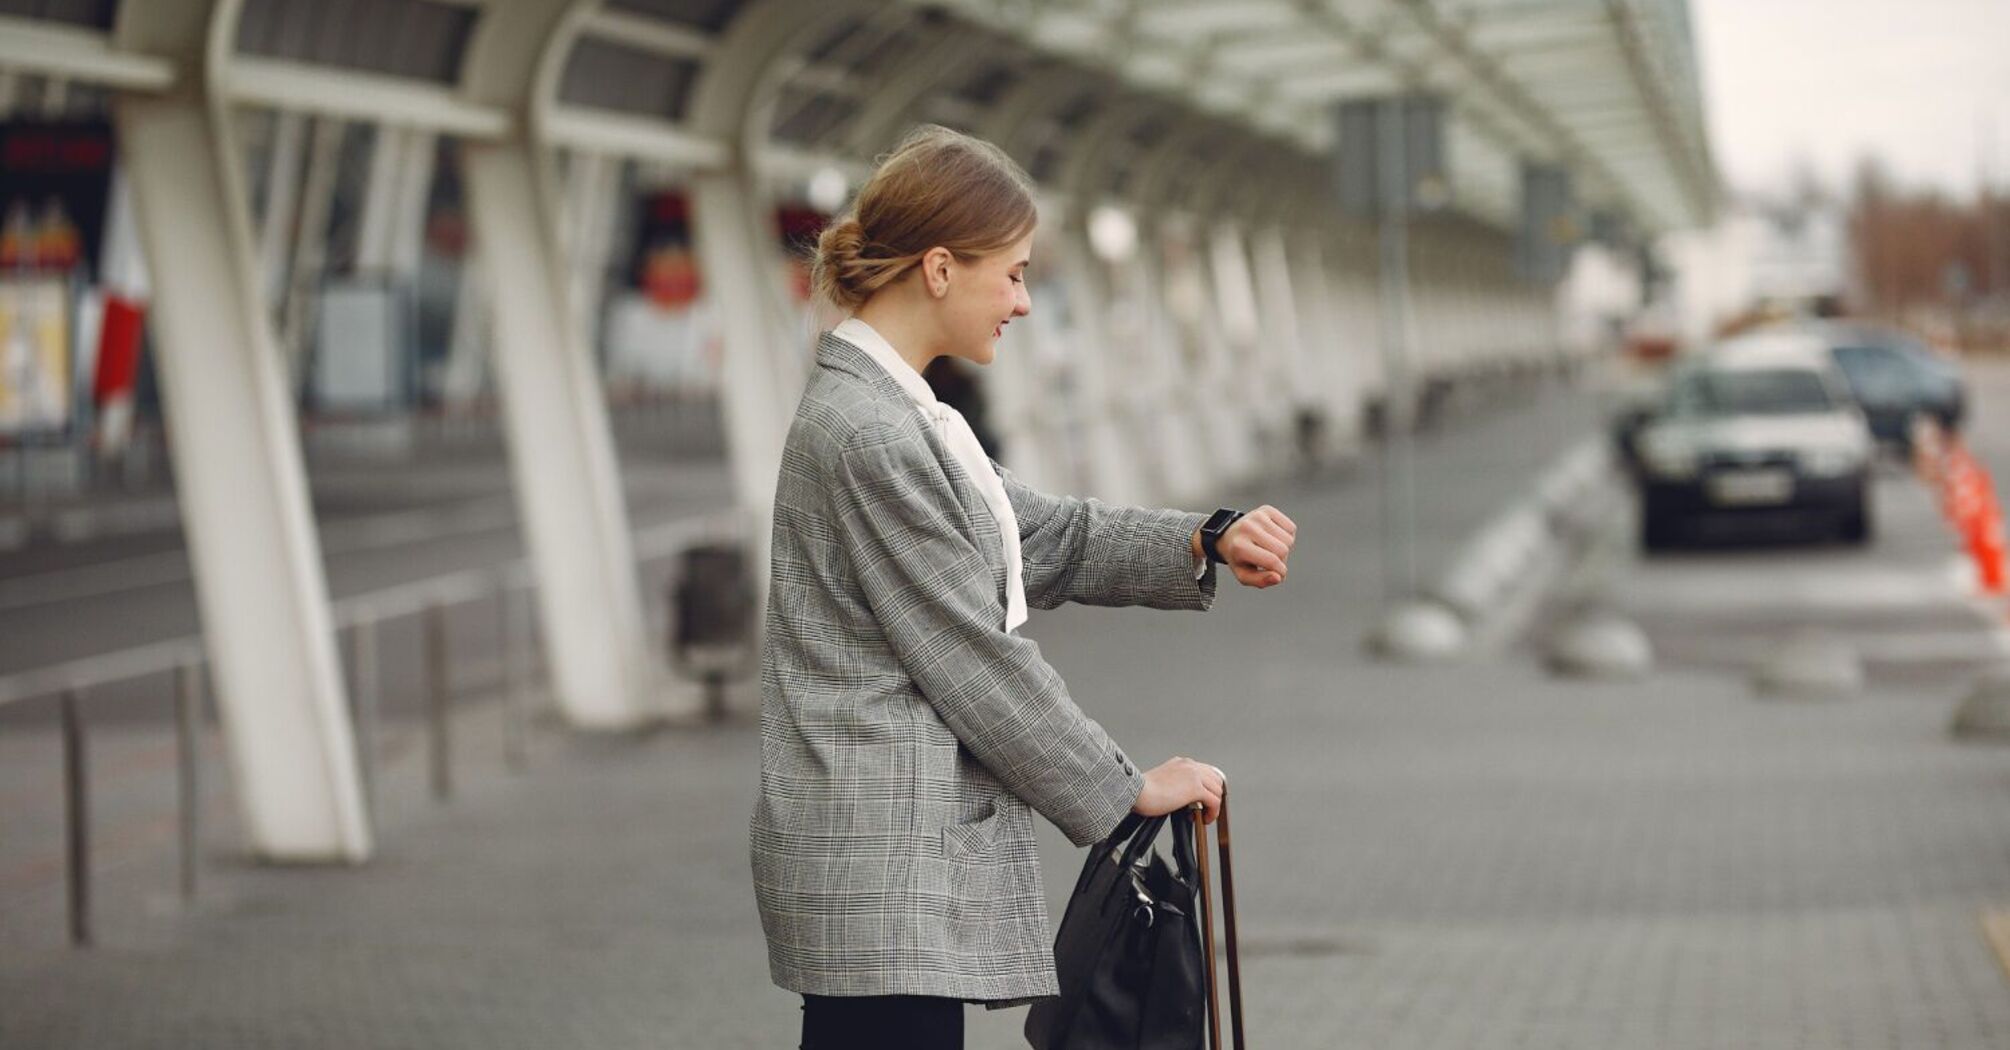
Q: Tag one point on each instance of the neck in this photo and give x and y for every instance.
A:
(899, 328)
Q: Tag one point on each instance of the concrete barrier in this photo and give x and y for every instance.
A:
(1600, 644)
(1502, 571)
(1419, 632)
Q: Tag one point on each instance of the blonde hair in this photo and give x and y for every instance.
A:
(938, 188)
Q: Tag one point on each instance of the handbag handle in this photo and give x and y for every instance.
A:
(1185, 860)
(1143, 832)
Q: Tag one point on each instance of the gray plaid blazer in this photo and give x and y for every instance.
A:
(906, 738)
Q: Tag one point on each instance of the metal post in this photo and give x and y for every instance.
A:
(365, 693)
(188, 734)
(1399, 492)
(515, 754)
(77, 819)
(438, 698)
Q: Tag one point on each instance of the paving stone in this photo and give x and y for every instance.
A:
(1466, 856)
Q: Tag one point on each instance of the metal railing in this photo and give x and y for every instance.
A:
(42, 478)
(361, 619)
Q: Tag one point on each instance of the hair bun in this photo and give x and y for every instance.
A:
(835, 273)
(937, 189)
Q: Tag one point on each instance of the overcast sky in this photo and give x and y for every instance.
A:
(1920, 83)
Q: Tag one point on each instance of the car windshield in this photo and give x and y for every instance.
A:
(1745, 392)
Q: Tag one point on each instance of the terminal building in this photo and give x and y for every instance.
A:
(1271, 230)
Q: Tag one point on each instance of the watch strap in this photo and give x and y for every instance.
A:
(1211, 531)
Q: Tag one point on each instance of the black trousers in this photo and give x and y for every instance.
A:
(882, 1022)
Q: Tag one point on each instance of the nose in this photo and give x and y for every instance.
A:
(1022, 304)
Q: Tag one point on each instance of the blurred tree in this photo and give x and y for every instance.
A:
(1922, 256)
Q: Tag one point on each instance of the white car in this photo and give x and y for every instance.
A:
(1761, 425)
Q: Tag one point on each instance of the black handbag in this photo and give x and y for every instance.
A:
(1129, 954)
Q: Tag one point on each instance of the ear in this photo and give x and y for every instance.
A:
(935, 266)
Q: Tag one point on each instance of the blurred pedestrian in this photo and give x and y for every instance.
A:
(955, 385)
(908, 732)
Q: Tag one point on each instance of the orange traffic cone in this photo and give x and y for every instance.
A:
(1986, 546)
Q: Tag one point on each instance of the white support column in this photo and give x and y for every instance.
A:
(282, 201)
(1130, 409)
(1154, 404)
(415, 187)
(1253, 407)
(242, 487)
(1110, 470)
(310, 245)
(762, 372)
(735, 256)
(591, 182)
(605, 671)
(1344, 344)
(382, 198)
(1279, 317)
(1032, 397)
(467, 367)
(394, 203)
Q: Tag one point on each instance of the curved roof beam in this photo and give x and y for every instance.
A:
(1166, 172)
(753, 56)
(837, 72)
(33, 45)
(1101, 142)
(1028, 106)
(345, 93)
(888, 108)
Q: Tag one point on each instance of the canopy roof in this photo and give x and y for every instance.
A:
(1142, 99)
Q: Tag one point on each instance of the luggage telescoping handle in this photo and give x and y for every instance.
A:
(1207, 929)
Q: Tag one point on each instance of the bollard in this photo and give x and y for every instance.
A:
(77, 818)
(188, 738)
(1986, 546)
(365, 688)
(437, 699)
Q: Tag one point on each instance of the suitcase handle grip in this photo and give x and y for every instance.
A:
(1228, 922)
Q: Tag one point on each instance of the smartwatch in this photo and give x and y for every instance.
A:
(1211, 530)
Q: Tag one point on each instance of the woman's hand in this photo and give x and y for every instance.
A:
(1178, 783)
(1257, 546)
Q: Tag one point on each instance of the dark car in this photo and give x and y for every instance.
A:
(1895, 378)
(1762, 427)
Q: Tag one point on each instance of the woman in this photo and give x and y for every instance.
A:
(908, 733)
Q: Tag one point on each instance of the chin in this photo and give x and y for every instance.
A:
(982, 354)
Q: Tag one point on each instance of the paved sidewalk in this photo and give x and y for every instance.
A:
(1467, 856)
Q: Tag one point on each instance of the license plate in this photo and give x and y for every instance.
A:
(1749, 487)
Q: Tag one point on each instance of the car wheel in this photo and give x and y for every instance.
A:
(1658, 532)
(1854, 526)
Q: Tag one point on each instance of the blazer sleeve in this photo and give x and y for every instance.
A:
(1089, 552)
(935, 598)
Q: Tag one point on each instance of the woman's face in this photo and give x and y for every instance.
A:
(984, 295)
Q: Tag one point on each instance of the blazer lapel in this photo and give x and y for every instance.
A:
(840, 355)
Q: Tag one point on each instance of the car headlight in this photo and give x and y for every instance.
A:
(1665, 458)
(1832, 462)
